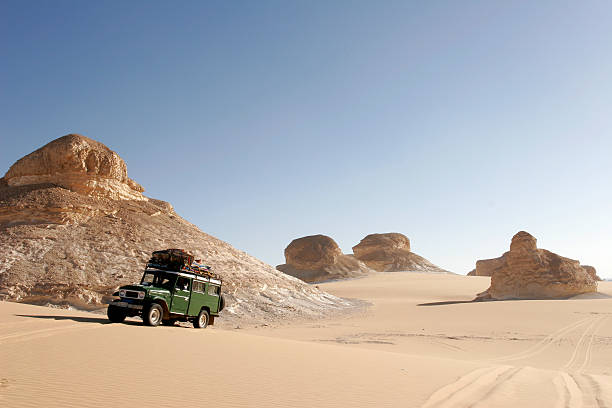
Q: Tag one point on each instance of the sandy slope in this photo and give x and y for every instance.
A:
(397, 353)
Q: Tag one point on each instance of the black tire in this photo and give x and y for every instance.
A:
(201, 321)
(152, 315)
(115, 314)
(221, 303)
(169, 322)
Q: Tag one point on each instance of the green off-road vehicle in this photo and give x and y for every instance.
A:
(168, 293)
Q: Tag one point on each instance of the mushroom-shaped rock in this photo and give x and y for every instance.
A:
(390, 252)
(318, 258)
(375, 244)
(526, 272)
(312, 252)
(76, 163)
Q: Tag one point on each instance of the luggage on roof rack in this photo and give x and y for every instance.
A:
(180, 260)
(174, 259)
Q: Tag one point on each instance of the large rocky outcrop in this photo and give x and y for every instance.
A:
(318, 258)
(391, 252)
(526, 272)
(68, 240)
(486, 267)
(79, 164)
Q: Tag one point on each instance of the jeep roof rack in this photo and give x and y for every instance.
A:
(179, 260)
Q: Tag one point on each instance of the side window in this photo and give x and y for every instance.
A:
(147, 279)
(165, 282)
(182, 283)
(213, 290)
(198, 286)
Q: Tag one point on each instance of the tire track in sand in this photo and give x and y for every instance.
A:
(573, 391)
(489, 386)
(569, 394)
(34, 334)
(544, 343)
(580, 360)
(589, 348)
(472, 388)
(580, 351)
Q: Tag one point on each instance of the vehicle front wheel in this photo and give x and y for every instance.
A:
(153, 315)
(115, 314)
(201, 321)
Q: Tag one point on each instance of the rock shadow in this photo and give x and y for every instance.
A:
(596, 295)
(450, 302)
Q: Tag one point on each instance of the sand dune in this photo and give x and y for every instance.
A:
(419, 344)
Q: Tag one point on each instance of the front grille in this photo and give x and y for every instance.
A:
(131, 294)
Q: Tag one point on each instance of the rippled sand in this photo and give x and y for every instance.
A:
(420, 343)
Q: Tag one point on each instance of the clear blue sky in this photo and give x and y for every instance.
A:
(455, 123)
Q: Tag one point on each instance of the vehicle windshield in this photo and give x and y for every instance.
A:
(159, 279)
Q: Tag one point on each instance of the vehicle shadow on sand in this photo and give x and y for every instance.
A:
(80, 319)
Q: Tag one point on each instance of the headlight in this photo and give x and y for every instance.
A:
(122, 293)
(141, 295)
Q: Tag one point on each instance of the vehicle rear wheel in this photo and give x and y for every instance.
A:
(221, 303)
(153, 315)
(115, 314)
(201, 321)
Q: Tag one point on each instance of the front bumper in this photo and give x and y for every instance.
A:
(127, 305)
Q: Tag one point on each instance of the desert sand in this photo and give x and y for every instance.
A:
(420, 343)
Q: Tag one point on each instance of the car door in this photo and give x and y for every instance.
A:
(180, 297)
(213, 297)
